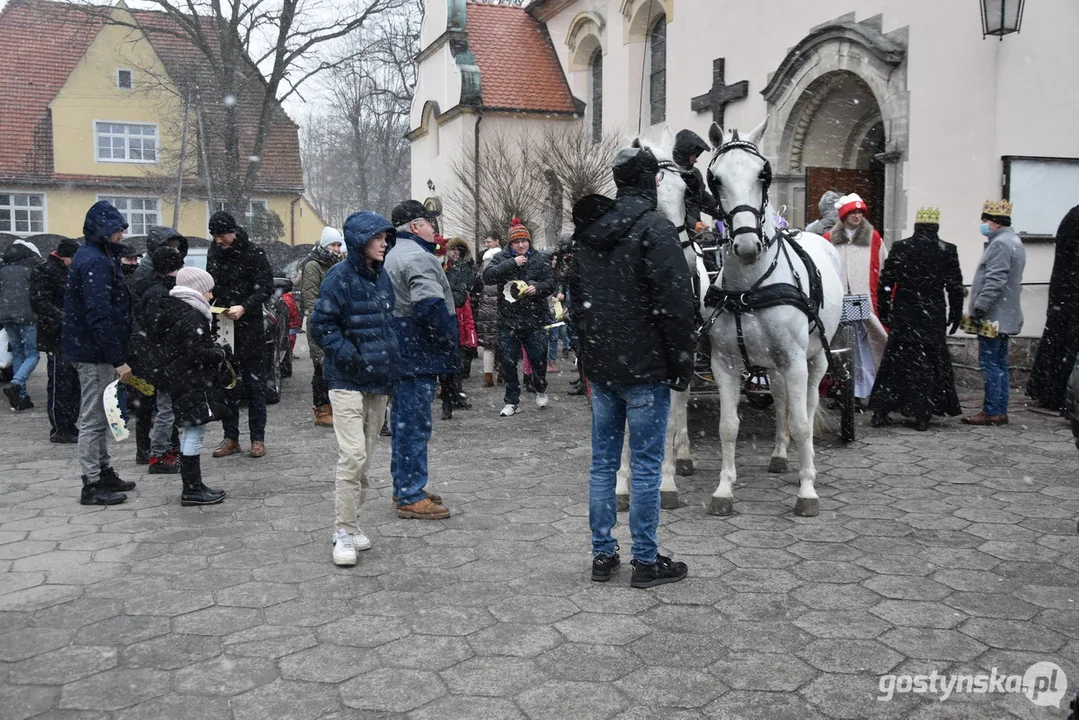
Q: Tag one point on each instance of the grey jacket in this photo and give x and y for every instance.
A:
(997, 283)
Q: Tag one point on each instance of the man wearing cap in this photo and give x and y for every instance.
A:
(425, 323)
(47, 282)
(330, 251)
(688, 147)
(243, 281)
(995, 297)
(96, 330)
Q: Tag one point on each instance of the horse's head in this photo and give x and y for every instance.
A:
(739, 177)
(670, 187)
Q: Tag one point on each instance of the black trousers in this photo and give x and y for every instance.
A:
(320, 391)
(63, 396)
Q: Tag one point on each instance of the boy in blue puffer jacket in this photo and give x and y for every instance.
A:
(352, 322)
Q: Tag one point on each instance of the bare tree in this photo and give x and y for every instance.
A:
(583, 167)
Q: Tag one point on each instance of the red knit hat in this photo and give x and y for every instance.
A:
(518, 231)
(849, 203)
(440, 245)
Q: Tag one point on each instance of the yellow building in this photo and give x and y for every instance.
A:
(91, 110)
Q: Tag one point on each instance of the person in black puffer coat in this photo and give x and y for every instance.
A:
(47, 282)
(243, 282)
(157, 236)
(17, 317)
(522, 320)
(189, 374)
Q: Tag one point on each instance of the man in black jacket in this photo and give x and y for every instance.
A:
(632, 300)
(243, 281)
(47, 283)
(523, 315)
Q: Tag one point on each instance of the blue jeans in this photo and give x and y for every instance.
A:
(510, 341)
(24, 356)
(645, 407)
(557, 333)
(410, 415)
(248, 371)
(191, 439)
(993, 358)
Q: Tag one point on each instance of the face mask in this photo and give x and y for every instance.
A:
(128, 269)
(984, 229)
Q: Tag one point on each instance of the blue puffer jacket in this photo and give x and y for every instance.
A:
(353, 316)
(97, 306)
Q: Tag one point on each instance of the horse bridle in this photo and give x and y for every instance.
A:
(758, 212)
(675, 167)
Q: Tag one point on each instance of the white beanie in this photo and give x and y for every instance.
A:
(330, 236)
(195, 278)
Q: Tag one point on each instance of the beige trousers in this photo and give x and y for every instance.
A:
(357, 418)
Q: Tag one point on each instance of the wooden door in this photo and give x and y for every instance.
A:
(869, 184)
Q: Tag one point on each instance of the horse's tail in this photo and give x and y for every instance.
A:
(824, 422)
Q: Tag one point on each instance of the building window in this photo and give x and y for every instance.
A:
(597, 95)
(124, 79)
(657, 74)
(254, 207)
(124, 142)
(140, 212)
(22, 213)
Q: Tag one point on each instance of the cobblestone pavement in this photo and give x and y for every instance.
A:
(951, 551)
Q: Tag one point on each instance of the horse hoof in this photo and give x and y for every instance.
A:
(721, 506)
(621, 503)
(668, 499)
(807, 507)
(684, 468)
(777, 465)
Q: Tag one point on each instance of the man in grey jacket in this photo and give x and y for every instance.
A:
(995, 296)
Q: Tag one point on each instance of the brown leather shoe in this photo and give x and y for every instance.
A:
(258, 449)
(324, 415)
(226, 448)
(981, 419)
(433, 497)
(488, 379)
(425, 509)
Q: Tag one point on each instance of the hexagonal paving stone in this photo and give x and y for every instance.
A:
(474, 708)
(363, 631)
(933, 644)
(992, 605)
(686, 650)
(589, 663)
(533, 609)
(328, 664)
(602, 629)
(912, 613)
(269, 641)
(225, 676)
(756, 704)
(256, 594)
(450, 621)
(828, 571)
(171, 652)
(425, 652)
(842, 624)
(25, 701)
(514, 639)
(760, 539)
(492, 676)
(39, 597)
(62, 666)
(215, 620)
(122, 630)
(760, 607)
(763, 636)
(556, 700)
(392, 690)
(903, 587)
(777, 672)
(855, 697)
(285, 698)
(671, 687)
(762, 580)
(836, 597)
(1013, 635)
(850, 656)
(114, 689)
(30, 642)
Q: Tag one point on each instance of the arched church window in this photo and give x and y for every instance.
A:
(657, 80)
(597, 95)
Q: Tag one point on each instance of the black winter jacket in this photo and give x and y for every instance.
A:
(631, 297)
(462, 277)
(15, 269)
(156, 236)
(191, 364)
(147, 352)
(917, 275)
(242, 276)
(47, 282)
(529, 312)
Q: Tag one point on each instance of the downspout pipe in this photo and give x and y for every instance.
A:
(292, 219)
(476, 183)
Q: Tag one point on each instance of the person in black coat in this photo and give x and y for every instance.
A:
(47, 282)
(243, 282)
(915, 376)
(688, 147)
(521, 320)
(1059, 345)
(461, 274)
(189, 374)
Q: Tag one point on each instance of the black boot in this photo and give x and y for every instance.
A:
(880, 419)
(92, 494)
(144, 414)
(195, 493)
(111, 482)
(447, 409)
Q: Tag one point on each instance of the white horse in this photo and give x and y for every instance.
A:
(671, 204)
(780, 338)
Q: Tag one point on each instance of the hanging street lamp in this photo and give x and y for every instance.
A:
(1001, 17)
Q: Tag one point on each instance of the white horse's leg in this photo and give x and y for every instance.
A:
(668, 493)
(818, 368)
(729, 391)
(801, 430)
(778, 385)
(621, 484)
(683, 460)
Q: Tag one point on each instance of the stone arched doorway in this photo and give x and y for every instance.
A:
(838, 114)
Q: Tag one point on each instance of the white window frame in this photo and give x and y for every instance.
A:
(12, 209)
(127, 142)
(127, 212)
(219, 205)
(131, 75)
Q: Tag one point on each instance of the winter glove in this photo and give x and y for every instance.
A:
(955, 325)
(680, 384)
(215, 356)
(977, 315)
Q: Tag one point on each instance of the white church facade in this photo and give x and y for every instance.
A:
(903, 101)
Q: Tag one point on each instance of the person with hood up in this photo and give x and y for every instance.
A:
(353, 322)
(1059, 345)
(425, 324)
(522, 316)
(17, 317)
(688, 147)
(156, 236)
(243, 282)
(190, 372)
(329, 252)
(829, 215)
(916, 377)
(461, 274)
(48, 281)
(632, 301)
(96, 331)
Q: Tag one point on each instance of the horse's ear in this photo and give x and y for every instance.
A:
(715, 135)
(757, 133)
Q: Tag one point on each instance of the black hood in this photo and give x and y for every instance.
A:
(688, 143)
(158, 235)
(19, 251)
(602, 222)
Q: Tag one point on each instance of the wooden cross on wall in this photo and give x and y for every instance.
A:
(721, 94)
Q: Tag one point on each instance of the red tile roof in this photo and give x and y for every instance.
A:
(519, 68)
(44, 41)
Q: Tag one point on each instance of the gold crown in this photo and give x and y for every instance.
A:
(928, 215)
(997, 207)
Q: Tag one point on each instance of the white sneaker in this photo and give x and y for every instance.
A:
(542, 400)
(344, 551)
(361, 541)
(508, 410)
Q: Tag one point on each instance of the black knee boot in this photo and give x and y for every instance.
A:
(195, 493)
(144, 413)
